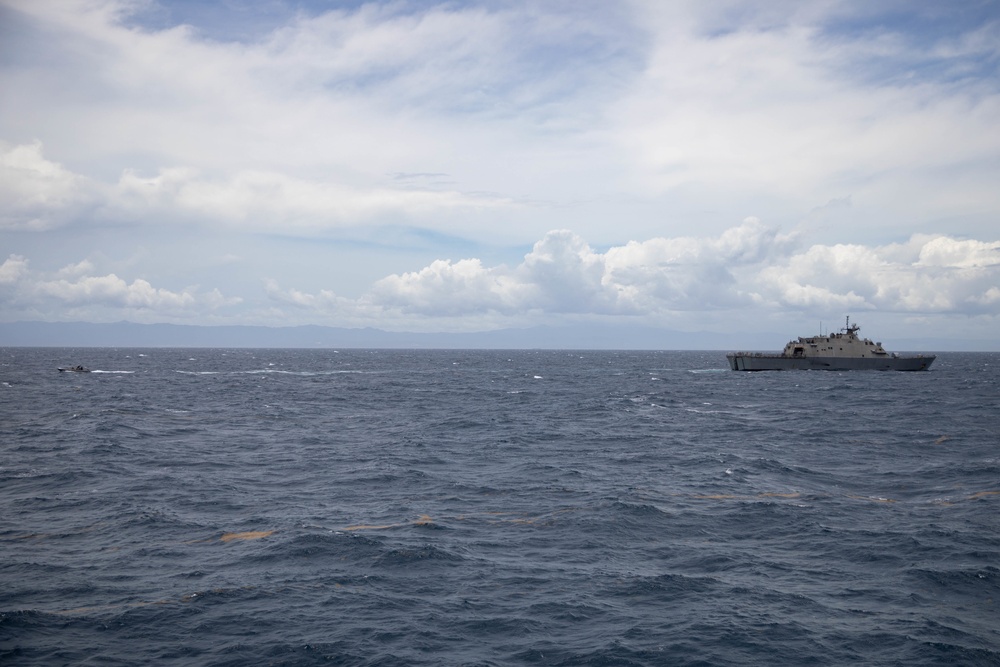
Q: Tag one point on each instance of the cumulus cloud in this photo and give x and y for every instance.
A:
(751, 266)
(563, 275)
(73, 289)
(748, 266)
(946, 252)
(446, 288)
(112, 290)
(12, 269)
(929, 274)
(38, 194)
(324, 301)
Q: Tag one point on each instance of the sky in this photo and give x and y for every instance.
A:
(471, 166)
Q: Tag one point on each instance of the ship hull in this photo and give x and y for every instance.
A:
(778, 362)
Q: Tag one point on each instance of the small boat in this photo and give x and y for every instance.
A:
(74, 369)
(833, 352)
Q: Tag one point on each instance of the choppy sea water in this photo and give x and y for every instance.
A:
(299, 507)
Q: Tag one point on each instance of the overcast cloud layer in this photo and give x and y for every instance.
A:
(480, 165)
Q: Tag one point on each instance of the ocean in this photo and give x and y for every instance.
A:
(449, 507)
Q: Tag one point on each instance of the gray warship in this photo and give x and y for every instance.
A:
(844, 351)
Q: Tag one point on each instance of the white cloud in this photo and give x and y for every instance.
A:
(271, 201)
(563, 275)
(545, 105)
(989, 297)
(445, 288)
(38, 194)
(74, 290)
(746, 265)
(112, 290)
(324, 301)
(750, 267)
(940, 275)
(12, 269)
(81, 268)
(777, 106)
(946, 252)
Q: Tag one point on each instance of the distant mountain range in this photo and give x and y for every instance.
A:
(129, 334)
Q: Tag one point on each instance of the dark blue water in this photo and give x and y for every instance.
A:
(292, 507)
